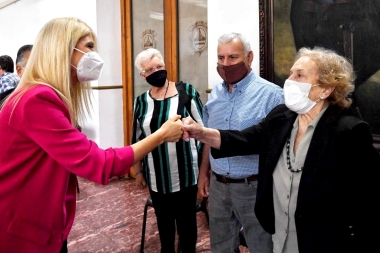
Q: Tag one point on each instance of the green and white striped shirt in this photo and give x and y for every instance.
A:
(171, 166)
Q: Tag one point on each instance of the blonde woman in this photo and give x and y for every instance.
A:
(42, 151)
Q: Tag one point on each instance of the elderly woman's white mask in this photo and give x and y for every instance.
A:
(296, 96)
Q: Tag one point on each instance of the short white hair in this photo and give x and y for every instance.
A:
(146, 56)
(228, 37)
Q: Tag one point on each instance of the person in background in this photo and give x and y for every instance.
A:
(7, 64)
(318, 169)
(8, 80)
(241, 100)
(41, 149)
(171, 169)
(22, 58)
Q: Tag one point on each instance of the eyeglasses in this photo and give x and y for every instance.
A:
(151, 70)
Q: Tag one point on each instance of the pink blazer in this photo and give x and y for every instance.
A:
(40, 155)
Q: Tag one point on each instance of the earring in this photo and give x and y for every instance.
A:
(322, 98)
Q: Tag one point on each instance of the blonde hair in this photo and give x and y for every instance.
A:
(333, 71)
(50, 64)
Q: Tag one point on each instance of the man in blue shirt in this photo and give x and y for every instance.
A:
(241, 100)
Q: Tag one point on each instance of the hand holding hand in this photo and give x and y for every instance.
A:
(191, 129)
(172, 129)
(186, 134)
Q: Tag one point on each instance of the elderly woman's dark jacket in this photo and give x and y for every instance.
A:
(339, 188)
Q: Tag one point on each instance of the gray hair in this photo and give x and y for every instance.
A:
(20, 60)
(228, 37)
(146, 56)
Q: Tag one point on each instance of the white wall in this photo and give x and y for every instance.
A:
(110, 109)
(19, 25)
(21, 21)
(226, 16)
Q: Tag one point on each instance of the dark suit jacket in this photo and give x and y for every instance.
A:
(338, 193)
(5, 94)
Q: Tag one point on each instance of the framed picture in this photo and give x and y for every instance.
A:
(4, 3)
(349, 27)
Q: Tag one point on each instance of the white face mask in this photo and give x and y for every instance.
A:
(296, 96)
(89, 67)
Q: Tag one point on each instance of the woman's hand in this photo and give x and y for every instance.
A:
(172, 129)
(140, 181)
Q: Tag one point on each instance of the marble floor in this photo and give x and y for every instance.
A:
(109, 219)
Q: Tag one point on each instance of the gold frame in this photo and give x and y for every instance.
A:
(171, 55)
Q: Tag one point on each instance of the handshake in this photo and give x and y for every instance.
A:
(174, 129)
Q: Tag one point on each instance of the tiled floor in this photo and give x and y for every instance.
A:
(109, 219)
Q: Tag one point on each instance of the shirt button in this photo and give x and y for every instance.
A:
(286, 213)
(288, 196)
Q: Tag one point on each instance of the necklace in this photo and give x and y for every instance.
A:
(156, 96)
(288, 158)
(167, 87)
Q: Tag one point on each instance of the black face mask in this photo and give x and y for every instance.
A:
(158, 78)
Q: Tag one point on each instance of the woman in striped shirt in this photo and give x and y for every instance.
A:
(170, 170)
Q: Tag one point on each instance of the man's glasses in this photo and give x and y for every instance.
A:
(151, 70)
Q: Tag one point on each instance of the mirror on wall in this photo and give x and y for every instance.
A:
(148, 31)
(193, 41)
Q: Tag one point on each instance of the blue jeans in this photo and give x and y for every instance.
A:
(231, 206)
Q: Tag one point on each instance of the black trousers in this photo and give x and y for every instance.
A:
(176, 210)
(64, 247)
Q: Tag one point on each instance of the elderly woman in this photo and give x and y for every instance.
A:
(171, 169)
(316, 189)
